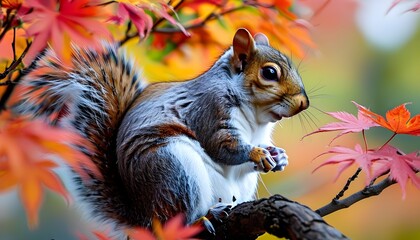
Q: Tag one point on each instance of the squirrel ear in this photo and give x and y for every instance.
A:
(243, 47)
(261, 39)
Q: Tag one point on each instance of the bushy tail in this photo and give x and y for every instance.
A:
(91, 98)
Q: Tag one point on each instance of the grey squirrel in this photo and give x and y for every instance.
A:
(170, 147)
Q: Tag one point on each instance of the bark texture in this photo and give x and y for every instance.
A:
(278, 216)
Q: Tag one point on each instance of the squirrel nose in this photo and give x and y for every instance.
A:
(302, 101)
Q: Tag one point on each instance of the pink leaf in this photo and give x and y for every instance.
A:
(348, 123)
(401, 166)
(50, 21)
(140, 19)
(347, 156)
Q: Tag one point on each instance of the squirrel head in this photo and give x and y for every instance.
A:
(272, 82)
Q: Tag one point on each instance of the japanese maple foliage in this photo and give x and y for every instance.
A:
(60, 22)
(31, 170)
(384, 160)
(348, 123)
(174, 229)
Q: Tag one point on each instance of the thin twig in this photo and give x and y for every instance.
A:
(15, 63)
(8, 82)
(210, 17)
(8, 25)
(346, 187)
(14, 44)
(369, 191)
(10, 87)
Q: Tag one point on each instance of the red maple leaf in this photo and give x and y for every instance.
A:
(349, 123)
(139, 18)
(347, 157)
(401, 166)
(134, 11)
(60, 22)
(397, 120)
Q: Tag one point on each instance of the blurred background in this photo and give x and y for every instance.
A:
(362, 54)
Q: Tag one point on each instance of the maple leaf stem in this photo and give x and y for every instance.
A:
(364, 140)
(389, 140)
(367, 192)
(346, 187)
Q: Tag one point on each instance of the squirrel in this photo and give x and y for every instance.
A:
(169, 147)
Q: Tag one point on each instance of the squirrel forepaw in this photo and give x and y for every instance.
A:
(262, 159)
(279, 156)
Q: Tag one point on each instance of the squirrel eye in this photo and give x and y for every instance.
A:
(269, 73)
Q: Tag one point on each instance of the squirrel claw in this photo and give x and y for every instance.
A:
(216, 213)
(219, 212)
(208, 226)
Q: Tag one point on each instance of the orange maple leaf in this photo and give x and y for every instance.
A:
(11, 4)
(25, 147)
(397, 120)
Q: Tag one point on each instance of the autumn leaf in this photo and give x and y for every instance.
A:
(25, 147)
(11, 4)
(401, 166)
(276, 21)
(397, 120)
(348, 123)
(62, 22)
(140, 19)
(162, 9)
(174, 229)
(134, 11)
(347, 157)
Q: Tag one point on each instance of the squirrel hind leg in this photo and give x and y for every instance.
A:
(166, 181)
(189, 154)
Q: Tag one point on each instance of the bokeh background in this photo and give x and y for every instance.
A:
(362, 54)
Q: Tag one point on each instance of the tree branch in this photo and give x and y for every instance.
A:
(346, 187)
(278, 216)
(369, 191)
(212, 16)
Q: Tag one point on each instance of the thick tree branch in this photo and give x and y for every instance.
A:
(275, 215)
